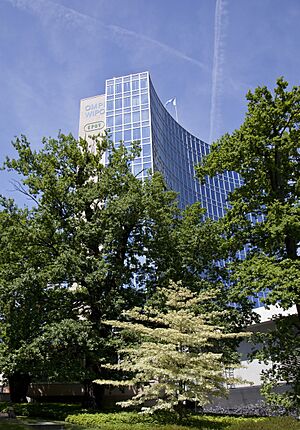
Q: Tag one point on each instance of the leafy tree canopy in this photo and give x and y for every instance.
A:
(265, 210)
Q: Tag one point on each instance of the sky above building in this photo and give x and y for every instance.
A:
(206, 53)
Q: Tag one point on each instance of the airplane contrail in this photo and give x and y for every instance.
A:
(217, 70)
(45, 8)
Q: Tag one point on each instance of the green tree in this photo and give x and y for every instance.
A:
(71, 259)
(29, 306)
(265, 211)
(174, 359)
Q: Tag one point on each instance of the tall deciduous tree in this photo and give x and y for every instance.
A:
(265, 210)
(72, 258)
(178, 356)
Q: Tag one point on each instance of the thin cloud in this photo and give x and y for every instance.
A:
(218, 66)
(47, 9)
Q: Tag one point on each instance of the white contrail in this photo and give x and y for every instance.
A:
(217, 70)
(49, 9)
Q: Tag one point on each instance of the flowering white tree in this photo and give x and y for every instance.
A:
(178, 357)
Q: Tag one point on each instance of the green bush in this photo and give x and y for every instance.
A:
(134, 421)
(278, 423)
(56, 411)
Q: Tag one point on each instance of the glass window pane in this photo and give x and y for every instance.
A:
(137, 169)
(147, 166)
(118, 119)
(146, 150)
(135, 101)
(118, 104)
(146, 131)
(135, 85)
(126, 101)
(110, 89)
(143, 83)
(127, 118)
(110, 105)
(136, 134)
(126, 86)
(118, 136)
(127, 135)
(144, 98)
(109, 121)
(118, 88)
(135, 117)
(145, 115)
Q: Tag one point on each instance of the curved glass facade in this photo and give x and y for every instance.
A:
(176, 152)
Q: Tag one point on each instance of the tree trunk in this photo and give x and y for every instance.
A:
(18, 386)
(93, 395)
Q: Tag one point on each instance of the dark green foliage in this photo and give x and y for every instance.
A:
(265, 215)
(54, 411)
(70, 259)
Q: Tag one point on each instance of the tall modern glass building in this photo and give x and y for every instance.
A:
(132, 111)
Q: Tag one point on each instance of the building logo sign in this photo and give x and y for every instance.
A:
(94, 109)
(92, 119)
(93, 126)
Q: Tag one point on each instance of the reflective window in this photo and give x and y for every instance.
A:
(137, 168)
(146, 131)
(135, 85)
(145, 115)
(136, 117)
(118, 88)
(136, 134)
(126, 102)
(135, 101)
(146, 150)
(118, 104)
(126, 86)
(109, 105)
(110, 89)
(144, 98)
(109, 121)
(143, 83)
(127, 135)
(118, 136)
(118, 119)
(127, 118)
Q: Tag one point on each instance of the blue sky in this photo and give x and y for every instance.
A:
(206, 53)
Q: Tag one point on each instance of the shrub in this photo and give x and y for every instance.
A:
(134, 421)
(57, 411)
(278, 423)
